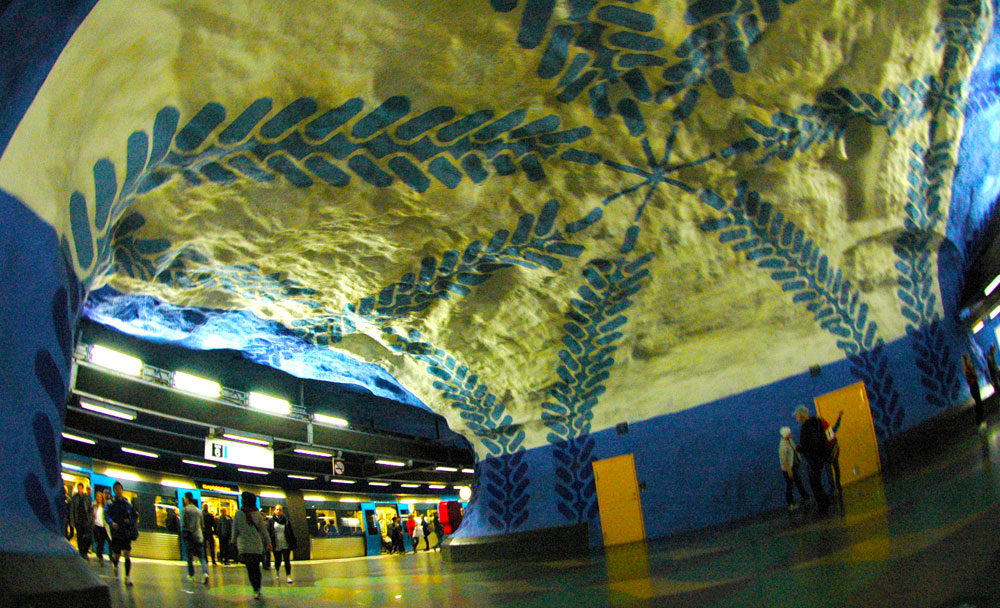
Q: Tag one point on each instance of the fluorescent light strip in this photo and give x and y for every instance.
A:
(78, 438)
(305, 477)
(390, 463)
(332, 420)
(108, 411)
(246, 439)
(207, 465)
(139, 452)
(993, 285)
(115, 473)
(469, 471)
(314, 498)
(437, 486)
(271, 495)
(378, 483)
(114, 360)
(196, 385)
(349, 500)
(409, 485)
(995, 312)
(978, 326)
(67, 477)
(348, 481)
(446, 469)
(72, 467)
(252, 471)
(308, 452)
(170, 483)
(268, 403)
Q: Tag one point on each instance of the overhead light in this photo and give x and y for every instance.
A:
(114, 360)
(465, 493)
(268, 403)
(72, 467)
(170, 483)
(409, 485)
(378, 483)
(78, 438)
(108, 410)
(305, 477)
(314, 498)
(447, 469)
(978, 326)
(349, 500)
(469, 471)
(67, 477)
(196, 385)
(437, 486)
(252, 471)
(139, 452)
(391, 463)
(331, 420)
(348, 481)
(309, 452)
(993, 285)
(246, 439)
(117, 474)
(207, 465)
(268, 494)
(995, 312)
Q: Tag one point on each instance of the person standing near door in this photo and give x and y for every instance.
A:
(124, 529)
(812, 445)
(789, 459)
(194, 539)
(102, 541)
(224, 529)
(208, 531)
(283, 541)
(81, 515)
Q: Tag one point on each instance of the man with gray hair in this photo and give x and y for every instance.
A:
(812, 445)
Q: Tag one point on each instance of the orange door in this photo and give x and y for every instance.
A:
(856, 435)
(618, 500)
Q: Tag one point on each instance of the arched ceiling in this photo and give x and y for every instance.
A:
(541, 218)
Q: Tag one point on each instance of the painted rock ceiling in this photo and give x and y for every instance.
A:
(539, 217)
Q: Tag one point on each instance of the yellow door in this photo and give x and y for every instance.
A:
(856, 434)
(618, 500)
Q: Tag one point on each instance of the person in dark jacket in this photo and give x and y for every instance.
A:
(208, 531)
(224, 528)
(396, 534)
(812, 445)
(124, 529)
(283, 541)
(81, 516)
(438, 529)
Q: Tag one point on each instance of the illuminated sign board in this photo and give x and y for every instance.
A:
(218, 487)
(235, 452)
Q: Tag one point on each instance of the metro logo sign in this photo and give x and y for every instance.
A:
(243, 454)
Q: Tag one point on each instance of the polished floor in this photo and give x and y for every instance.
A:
(930, 537)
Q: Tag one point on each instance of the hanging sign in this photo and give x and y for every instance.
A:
(338, 467)
(234, 452)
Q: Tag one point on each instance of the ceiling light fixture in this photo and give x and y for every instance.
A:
(252, 471)
(331, 420)
(114, 360)
(447, 469)
(378, 483)
(143, 453)
(303, 477)
(207, 465)
(437, 486)
(170, 483)
(469, 471)
(118, 474)
(108, 410)
(78, 438)
(979, 325)
(346, 481)
(309, 452)
(196, 385)
(245, 439)
(390, 463)
(409, 485)
(993, 285)
(267, 403)
(349, 500)
(314, 498)
(269, 494)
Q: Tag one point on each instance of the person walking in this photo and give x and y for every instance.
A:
(438, 530)
(81, 516)
(192, 527)
(972, 379)
(102, 541)
(789, 459)
(283, 541)
(208, 531)
(416, 531)
(224, 528)
(812, 445)
(396, 533)
(423, 523)
(251, 538)
(124, 529)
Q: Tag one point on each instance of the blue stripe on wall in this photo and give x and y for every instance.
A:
(32, 36)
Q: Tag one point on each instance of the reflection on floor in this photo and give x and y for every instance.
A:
(928, 538)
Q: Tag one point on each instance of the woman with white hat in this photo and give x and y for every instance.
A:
(789, 458)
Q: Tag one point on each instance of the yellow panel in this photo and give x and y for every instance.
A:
(618, 500)
(856, 436)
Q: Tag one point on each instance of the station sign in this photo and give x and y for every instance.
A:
(235, 452)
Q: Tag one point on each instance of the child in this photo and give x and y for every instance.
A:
(789, 458)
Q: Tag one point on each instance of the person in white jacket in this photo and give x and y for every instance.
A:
(788, 456)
